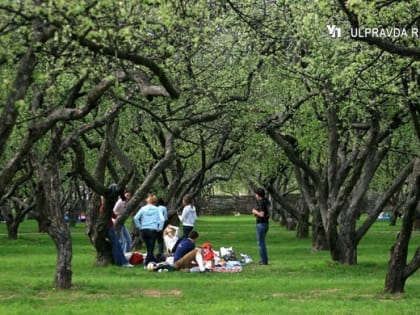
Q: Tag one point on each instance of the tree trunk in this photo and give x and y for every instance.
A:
(393, 218)
(345, 247)
(97, 230)
(14, 212)
(63, 272)
(103, 247)
(41, 215)
(291, 224)
(276, 211)
(42, 224)
(303, 224)
(416, 225)
(398, 272)
(395, 279)
(103, 251)
(137, 240)
(319, 238)
(57, 226)
(12, 229)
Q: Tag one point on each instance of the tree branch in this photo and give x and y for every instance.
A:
(139, 60)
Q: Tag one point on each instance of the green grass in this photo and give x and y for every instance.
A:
(297, 281)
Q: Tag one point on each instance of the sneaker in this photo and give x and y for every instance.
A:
(127, 266)
(262, 263)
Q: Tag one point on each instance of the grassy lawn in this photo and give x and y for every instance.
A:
(297, 281)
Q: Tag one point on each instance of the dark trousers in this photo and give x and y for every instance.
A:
(186, 231)
(149, 238)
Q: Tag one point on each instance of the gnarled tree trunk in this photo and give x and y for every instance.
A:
(398, 269)
(12, 228)
(346, 246)
(97, 229)
(303, 223)
(319, 238)
(57, 227)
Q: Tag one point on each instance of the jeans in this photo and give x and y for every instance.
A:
(125, 239)
(149, 238)
(262, 229)
(117, 251)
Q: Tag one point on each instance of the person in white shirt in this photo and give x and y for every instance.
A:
(124, 236)
(170, 235)
(188, 216)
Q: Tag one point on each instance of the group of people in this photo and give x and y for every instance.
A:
(187, 256)
(153, 217)
(152, 222)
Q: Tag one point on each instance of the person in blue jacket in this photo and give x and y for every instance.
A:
(148, 220)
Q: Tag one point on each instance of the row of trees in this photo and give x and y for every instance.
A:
(176, 96)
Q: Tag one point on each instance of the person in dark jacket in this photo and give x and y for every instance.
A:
(187, 256)
(262, 215)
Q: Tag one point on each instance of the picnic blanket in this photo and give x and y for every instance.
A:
(227, 269)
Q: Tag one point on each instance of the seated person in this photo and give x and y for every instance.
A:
(187, 256)
(170, 236)
(208, 255)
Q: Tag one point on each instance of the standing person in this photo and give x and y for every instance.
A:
(188, 216)
(117, 251)
(262, 216)
(164, 211)
(123, 235)
(147, 220)
(187, 256)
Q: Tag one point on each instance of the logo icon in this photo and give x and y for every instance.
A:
(334, 31)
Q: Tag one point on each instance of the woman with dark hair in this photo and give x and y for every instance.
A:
(262, 215)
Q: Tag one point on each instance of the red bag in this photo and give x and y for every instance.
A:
(136, 258)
